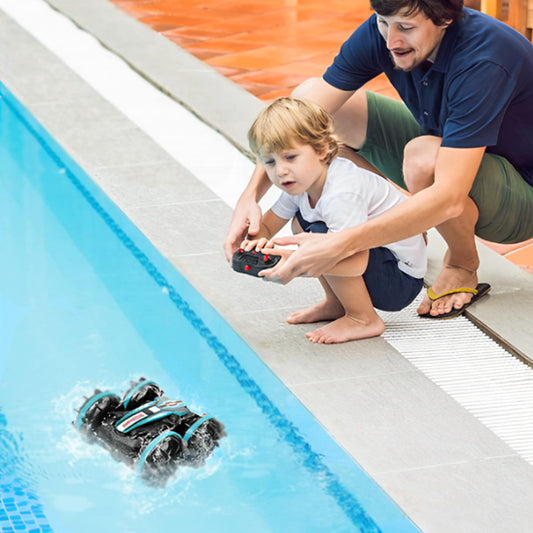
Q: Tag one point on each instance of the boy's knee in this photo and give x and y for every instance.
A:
(419, 159)
(296, 226)
(299, 225)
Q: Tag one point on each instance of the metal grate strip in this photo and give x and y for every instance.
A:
(488, 381)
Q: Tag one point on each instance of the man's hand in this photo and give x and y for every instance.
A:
(284, 253)
(316, 254)
(246, 221)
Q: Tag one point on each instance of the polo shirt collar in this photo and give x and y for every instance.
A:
(446, 48)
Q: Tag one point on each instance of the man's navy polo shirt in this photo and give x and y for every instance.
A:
(479, 91)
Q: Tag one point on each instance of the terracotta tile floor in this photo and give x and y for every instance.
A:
(270, 47)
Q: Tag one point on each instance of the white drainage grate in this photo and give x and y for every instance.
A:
(483, 377)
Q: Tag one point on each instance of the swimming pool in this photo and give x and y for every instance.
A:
(85, 302)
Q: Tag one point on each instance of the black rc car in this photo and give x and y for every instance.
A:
(148, 430)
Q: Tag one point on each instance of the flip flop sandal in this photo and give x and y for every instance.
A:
(478, 292)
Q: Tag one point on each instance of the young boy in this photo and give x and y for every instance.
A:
(323, 192)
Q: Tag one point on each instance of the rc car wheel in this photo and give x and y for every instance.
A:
(140, 393)
(161, 457)
(94, 410)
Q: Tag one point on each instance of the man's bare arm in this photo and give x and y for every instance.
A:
(445, 199)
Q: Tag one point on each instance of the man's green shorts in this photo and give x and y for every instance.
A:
(503, 197)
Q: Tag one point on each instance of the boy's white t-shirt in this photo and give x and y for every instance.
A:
(351, 196)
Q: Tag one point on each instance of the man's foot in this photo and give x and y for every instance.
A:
(477, 293)
(450, 278)
(346, 329)
(325, 310)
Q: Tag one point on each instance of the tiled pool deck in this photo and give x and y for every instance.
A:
(444, 468)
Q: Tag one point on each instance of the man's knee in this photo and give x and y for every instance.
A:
(504, 200)
(419, 159)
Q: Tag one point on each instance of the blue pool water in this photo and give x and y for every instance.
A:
(85, 302)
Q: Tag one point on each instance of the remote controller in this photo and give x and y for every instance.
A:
(252, 262)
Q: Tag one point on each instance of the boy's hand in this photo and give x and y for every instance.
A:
(246, 221)
(256, 244)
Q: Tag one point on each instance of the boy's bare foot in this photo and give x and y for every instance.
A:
(324, 310)
(450, 277)
(346, 329)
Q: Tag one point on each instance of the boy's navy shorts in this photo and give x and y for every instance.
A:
(390, 288)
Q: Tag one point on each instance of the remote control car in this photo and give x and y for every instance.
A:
(252, 262)
(148, 430)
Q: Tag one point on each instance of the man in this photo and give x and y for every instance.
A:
(461, 141)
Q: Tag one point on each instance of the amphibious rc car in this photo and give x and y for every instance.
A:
(148, 430)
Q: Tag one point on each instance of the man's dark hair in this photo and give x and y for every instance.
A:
(439, 11)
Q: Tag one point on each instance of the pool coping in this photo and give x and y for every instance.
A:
(438, 469)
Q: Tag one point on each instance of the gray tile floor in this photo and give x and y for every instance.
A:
(445, 469)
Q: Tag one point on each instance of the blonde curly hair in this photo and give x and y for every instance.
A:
(289, 121)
